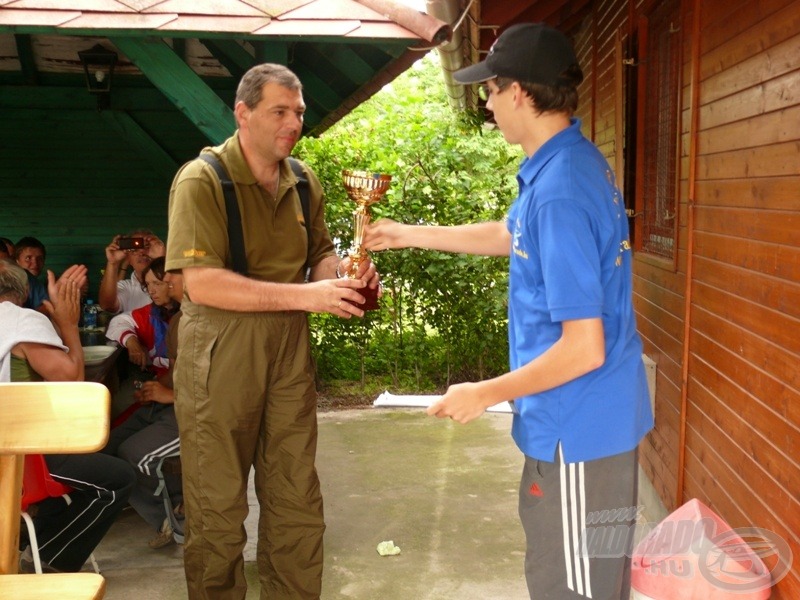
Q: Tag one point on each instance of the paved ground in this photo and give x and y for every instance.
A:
(445, 494)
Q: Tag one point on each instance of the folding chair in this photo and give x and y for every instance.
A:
(38, 484)
(45, 417)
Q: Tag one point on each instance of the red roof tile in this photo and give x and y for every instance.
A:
(289, 17)
(99, 20)
(340, 9)
(79, 5)
(309, 27)
(381, 30)
(217, 8)
(36, 17)
(217, 24)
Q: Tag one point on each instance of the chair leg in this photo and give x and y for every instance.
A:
(94, 563)
(161, 490)
(177, 529)
(37, 562)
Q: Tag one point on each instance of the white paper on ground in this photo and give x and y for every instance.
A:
(388, 549)
(424, 401)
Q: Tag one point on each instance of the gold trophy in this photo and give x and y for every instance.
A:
(364, 189)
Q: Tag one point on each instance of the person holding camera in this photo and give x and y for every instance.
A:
(137, 249)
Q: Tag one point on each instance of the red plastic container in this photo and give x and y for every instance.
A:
(694, 554)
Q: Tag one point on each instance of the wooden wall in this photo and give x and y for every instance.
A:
(738, 263)
(70, 179)
(743, 414)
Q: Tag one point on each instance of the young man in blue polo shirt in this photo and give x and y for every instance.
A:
(577, 380)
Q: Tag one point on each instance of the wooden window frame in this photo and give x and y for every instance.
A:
(653, 137)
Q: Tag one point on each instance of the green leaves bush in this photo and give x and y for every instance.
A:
(443, 316)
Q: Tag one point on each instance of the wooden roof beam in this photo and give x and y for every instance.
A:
(184, 88)
(26, 58)
(231, 55)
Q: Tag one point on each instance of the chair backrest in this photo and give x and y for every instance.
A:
(37, 483)
(43, 417)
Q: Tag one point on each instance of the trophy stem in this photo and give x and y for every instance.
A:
(361, 218)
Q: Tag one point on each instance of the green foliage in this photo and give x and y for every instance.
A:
(443, 316)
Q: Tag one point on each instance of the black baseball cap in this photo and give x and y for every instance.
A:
(529, 52)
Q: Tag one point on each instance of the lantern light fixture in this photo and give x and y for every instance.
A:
(98, 69)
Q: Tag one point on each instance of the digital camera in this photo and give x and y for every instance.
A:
(131, 243)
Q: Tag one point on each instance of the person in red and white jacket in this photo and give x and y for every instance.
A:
(151, 432)
(144, 330)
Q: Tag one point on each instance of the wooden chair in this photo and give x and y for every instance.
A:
(45, 417)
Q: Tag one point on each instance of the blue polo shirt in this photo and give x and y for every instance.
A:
(571, 259)
(37, 292)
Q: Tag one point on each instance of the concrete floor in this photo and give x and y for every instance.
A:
(445, 494)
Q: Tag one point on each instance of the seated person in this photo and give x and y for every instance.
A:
(35, 348)
(6, 248)
(30, 254)
(118, 294)
(150, 433)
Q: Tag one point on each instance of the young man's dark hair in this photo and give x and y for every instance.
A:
(30, 254)
(559, 97)
(28, 242)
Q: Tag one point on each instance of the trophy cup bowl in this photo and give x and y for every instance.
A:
(364, 189)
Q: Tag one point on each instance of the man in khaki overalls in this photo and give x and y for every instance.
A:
(244, 379)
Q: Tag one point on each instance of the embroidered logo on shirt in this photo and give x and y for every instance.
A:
(624, 246)
(519, 251)
(194, 253)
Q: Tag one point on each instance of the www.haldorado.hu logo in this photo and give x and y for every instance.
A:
(728, 562)
(743, 560)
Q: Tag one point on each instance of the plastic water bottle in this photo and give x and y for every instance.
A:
(90, 315)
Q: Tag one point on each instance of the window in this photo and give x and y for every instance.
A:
(657, 110)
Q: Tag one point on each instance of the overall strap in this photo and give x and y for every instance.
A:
(235, 233)
(302, 191)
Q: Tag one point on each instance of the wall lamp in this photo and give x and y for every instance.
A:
(98, 68)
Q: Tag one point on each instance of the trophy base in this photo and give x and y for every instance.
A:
(371, 298)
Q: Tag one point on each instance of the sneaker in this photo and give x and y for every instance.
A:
(27, 566)
(164, 537)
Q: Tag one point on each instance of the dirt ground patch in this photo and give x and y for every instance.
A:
(345, 395)
(327, 401)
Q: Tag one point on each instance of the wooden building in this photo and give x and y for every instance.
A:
(696, 105)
